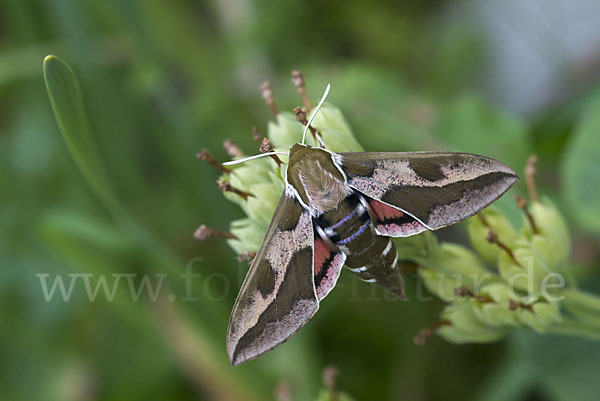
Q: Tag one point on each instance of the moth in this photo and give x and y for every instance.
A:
(342, 209)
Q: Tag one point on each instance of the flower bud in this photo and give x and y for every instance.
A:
(231, 197)
(417, 248)
(335, 131)
(479, 227)
(277, 180)
(552, 240)
(539, 316)
(464, 325)
(246, 176)
(497, 311)
(285, 131)
(450, 266)
(440, 284)
(262, 206)
(528, 273)
(249, 235)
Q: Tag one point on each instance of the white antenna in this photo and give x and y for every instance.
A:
(312, 117)
(245, 159)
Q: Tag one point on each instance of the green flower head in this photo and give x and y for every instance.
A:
(511, 278)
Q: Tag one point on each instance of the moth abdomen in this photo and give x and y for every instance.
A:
(378, 264)
(345, 222)
(370, 256)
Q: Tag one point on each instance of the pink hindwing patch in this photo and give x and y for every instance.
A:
(394, 222)
(327, 267)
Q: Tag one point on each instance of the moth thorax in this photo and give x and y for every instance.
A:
(324, 190)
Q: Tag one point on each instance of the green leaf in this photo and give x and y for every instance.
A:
(67, 103)
(580, 169)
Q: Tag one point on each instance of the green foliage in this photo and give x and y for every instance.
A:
(526, 289)
(65, 96)
(159, 81)
(581, 169)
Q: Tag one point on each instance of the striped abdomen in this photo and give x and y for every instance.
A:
(371, 256)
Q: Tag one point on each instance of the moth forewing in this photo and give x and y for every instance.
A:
(437, 189)
(278, 294)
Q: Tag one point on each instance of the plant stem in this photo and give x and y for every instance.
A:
(582, 300)
(576, 328)
(585, 310)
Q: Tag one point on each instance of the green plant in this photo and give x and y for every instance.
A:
(513, 278)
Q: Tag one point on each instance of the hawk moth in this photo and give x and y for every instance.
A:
(342, 209)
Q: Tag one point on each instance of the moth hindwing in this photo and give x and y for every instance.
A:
(342, 209)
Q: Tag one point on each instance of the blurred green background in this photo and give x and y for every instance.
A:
(163, 79)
